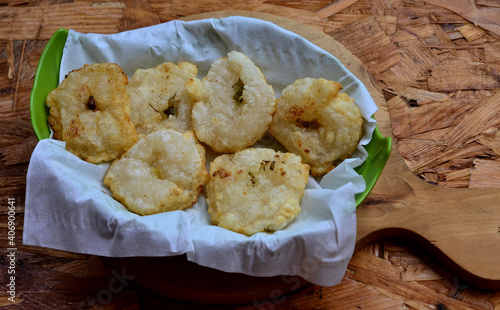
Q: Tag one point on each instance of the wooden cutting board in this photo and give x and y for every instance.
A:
(459, 227)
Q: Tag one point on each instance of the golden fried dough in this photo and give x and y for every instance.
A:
(89, 110)
(158, 95)
(255, 190)
(164, 171)
(318, 123)
(234, 104)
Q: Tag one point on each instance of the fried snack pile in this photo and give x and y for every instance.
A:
(164, 171)
(234, 104)
(89, 110)
(318, 123)
(152, 125)
(158, 95)
(255, 190)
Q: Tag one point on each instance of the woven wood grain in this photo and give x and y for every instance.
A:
(437, 65)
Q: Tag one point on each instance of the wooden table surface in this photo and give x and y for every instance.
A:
(435, 62)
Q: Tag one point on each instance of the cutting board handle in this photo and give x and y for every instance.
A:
(460, 227)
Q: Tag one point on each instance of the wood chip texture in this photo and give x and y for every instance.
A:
(437, 63)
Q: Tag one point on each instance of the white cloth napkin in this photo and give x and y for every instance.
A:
(69, 208)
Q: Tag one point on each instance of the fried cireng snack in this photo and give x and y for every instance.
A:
(255, 190)
(164, 171)
(89, 110)
(318, 123)
(234, 104)
(158, 95)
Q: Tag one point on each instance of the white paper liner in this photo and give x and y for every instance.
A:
(69, 208)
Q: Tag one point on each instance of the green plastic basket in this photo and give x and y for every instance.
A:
(47, 79)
